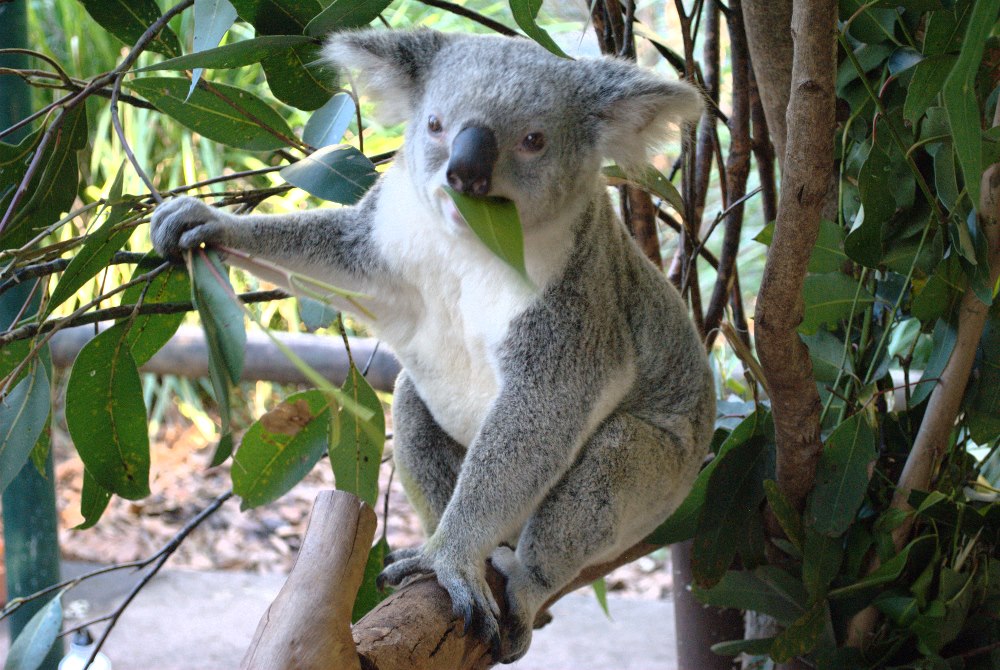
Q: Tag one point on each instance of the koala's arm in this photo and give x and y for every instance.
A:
(335, 246)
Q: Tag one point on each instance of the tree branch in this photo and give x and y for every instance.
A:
(808, 165)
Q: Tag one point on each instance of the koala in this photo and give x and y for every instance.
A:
(545, 425)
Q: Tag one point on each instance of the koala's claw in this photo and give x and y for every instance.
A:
(184, 223)
(471, 598)
(399, 554)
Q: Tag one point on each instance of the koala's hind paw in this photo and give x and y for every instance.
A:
(399, 554)
(471, 598)
(184, 223)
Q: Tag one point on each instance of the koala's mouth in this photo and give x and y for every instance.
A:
(450, 212)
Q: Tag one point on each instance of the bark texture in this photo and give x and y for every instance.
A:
(769, 34)
(308, 626)
(808, 165)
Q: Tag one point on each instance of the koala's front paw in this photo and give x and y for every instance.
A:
(471, 598)
(184, 223)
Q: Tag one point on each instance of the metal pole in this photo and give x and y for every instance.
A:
(29, 502)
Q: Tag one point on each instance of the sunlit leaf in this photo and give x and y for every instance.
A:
(281, 447)
(106, 414)
(97, 251)
(651, 180)
(237, 54)
(212, 19)
(226, 114)
(298, 77)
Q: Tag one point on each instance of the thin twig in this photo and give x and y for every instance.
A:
(164, 554)
(121, 311)
(167, 549)
(459, 10)
(116, 88)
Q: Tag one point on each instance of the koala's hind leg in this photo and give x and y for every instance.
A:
(628, 478)
(427, 459)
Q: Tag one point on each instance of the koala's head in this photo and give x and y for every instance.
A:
(504, 117)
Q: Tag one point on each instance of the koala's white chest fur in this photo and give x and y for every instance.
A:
(456, 303)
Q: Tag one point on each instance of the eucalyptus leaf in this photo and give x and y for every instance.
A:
(802, 636)
(525, 15)
(277, 17)
(149, 332)
(228, 114)
(651, 180)
(281, 447)
(369, 594)
(97, 251)
(496, 223)
(337, 173)
(842, 476)
(236, 54)
(94, 499)
(959, 95)
(29, 649)
(299, 77)
(767, 590)
(829, 299)
(342, 14)
(225, 334)
(129, 19)
(53, 189)
(328, 124)
(943, 338)
(23, 416)
(357, 454)
(106, 415)
(212, 20)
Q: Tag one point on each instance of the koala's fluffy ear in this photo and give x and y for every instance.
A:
(635, 109)
(392, 65)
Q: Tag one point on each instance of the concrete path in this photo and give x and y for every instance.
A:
(185, 620)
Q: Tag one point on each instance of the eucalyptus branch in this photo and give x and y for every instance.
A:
(116, 88)
(58, 265)
(121, 311)
(464, 12)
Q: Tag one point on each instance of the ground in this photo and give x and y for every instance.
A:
(261, 540)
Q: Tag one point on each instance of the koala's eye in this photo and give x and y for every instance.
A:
(434, 124)
(533, 142)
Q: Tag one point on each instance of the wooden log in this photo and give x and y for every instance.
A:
(308, 626)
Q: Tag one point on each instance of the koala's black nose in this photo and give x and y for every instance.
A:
(473, 154)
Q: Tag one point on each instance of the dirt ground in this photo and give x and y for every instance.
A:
(261, 540)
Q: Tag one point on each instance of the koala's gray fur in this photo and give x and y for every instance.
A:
(565, 420)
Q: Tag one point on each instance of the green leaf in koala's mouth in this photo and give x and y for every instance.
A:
(496, 223)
